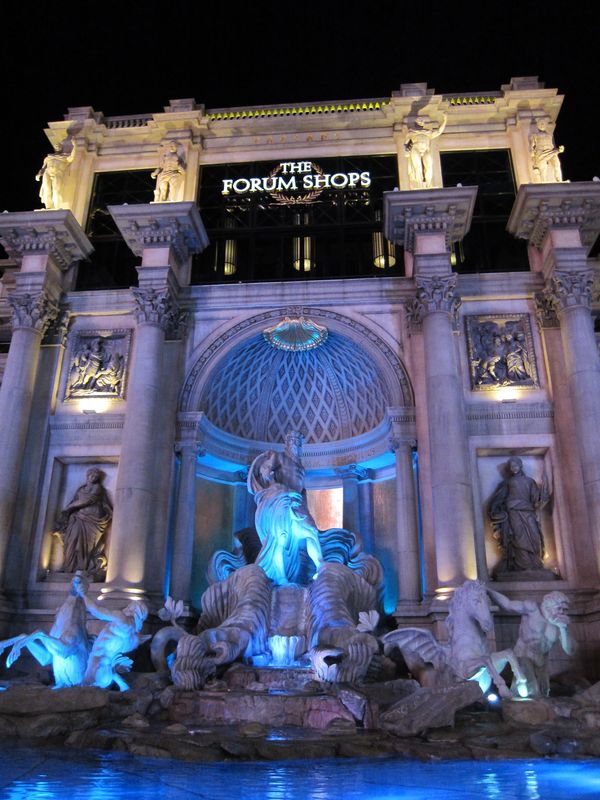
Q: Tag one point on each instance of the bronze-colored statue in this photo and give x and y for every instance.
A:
(513, 511)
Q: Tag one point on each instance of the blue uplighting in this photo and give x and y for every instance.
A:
(40, 775)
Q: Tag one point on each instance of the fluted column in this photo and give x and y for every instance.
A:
(561, 221)
(165, 235)
(47, 244)
(426, 223)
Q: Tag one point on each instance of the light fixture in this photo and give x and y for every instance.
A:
(229, 250)
(303, 247)
(384, 252)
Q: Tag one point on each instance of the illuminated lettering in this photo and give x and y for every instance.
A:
(312, 179)
(339, 180)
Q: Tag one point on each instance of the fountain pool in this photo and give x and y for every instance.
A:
(27, 774)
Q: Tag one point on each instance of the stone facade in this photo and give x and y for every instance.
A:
(171, 389)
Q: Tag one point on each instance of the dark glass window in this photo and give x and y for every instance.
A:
(112, 265)
(262, 235)
(488, 247)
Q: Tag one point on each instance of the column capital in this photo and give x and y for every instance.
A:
(352, 471)
(570, 289)
(33, 311)
(159, 307)
(54, 234)
(174, 227)
(434, 294)
(408, 215)
(542, 208)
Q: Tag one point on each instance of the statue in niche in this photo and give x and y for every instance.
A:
(282, 518)
(417, 149)
(513, 512)
(83, 524)
(52, 174)
(96, 369)
(544, 153)
(542, 625)
(169, 174)
(500, 352)
(75, 660)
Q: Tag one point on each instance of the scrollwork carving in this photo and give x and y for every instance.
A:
(159, 307)
(33, 311)
(570, 289)
(435, 294)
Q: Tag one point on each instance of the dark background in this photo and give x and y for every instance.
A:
(132, 57)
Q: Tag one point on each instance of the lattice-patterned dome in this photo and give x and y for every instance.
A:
(332, 392)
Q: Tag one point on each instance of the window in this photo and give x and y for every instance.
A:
(112, 265)
(258, 235)
(488, 247)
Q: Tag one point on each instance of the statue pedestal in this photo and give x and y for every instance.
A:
(526, 575)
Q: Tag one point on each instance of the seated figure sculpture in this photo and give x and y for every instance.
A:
(542, 625)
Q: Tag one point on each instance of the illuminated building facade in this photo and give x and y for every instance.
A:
(405, 280)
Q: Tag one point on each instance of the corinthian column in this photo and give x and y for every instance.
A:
(47, 243)
(561, 222)
(425, 223)
(165, 235)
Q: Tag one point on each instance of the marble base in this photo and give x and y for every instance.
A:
(528, 575)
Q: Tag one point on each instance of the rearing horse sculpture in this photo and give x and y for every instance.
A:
(467, 655)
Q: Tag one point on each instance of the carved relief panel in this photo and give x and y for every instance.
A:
(98, 364)
(500, 350)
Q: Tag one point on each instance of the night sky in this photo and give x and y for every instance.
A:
(132, 57)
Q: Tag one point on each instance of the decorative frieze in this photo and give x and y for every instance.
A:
(35, 311)
(98, 364)
(500, 351)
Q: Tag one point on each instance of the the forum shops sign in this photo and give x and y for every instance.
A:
(296, 182)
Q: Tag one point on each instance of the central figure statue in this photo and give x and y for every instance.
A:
(283, 522)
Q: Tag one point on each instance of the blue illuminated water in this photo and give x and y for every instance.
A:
(44, 775)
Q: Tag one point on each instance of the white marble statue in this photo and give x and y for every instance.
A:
(544, 153)
(75, 660)
(52, 174)
(283, 521)
(417, 149)
(542, 625)
(120, 635)
(67, 646)
(169, 174)
(468, 655)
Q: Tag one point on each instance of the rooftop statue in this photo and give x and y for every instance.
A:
(542, 625)
(544, 153)
(418, 151)
(468, 655)
(75, 660)
(169, 174)
(52, 174)
(513, 511)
